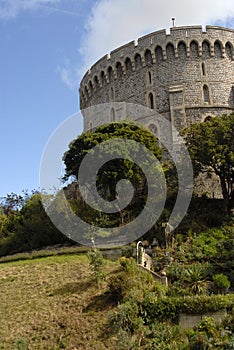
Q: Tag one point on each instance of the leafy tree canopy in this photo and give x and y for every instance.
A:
(211, 147)
(84, 143)
(121, 167)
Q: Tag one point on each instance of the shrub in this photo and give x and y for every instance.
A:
(199, 342)
(125, 318)
(96, 262)
(221, 282)
(169, 308)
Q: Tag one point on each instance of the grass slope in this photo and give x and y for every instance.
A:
(51, 303)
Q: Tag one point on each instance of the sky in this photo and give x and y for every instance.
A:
(46, 46)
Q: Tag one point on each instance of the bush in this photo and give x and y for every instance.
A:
(208, 335)
(169, 308)
(221, 282)
(96, 262)
(125, 318)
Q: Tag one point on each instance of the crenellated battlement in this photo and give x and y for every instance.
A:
(182, 43)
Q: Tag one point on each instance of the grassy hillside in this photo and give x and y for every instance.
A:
(55, 302)
(52, 303)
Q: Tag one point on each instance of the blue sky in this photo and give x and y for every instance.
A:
(45, 48)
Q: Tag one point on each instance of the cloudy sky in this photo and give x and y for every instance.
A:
(45, 48)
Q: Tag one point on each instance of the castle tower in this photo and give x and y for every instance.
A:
(186, 76)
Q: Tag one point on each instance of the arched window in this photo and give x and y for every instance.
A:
(151, 100)
(206, 53)
(110, 74)
(86, 92)
(148, 58)
(112, 115)
(96, 81)
(159, 54)
(229, 50)
(170, 52)
(119, 69)
(138, 62)
(103, 78)
(208, 118)
(206, 94)
(182, 50)
(91, 87)
(217, 50)
(128, 65)
(194, 49)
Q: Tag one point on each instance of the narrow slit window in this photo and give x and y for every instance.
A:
(203, 69)
(91, 126)
(150, 77)
(112, 115)
(112, 95)
(151, 100)
(206, 94)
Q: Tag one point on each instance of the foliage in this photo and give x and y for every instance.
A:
(170, 307)
(108, 176)
(132, 324)
(195, 276)
(213, 246)
(79, 147)
(208, 335)
(28, 227)
(13, 202)
(143, 315)
(221, 282)
(126, 317)
(209, 243)
(97, 263)
(211, 147)
(132, 282)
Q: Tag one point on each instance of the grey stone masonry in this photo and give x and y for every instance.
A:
(186, 75)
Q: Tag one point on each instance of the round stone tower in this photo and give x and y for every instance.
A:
(186, 76)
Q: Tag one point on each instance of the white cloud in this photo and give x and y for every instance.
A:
(69, 74)
(11, 8)
(115, 22)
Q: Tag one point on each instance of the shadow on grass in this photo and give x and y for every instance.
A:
(101, 302)
(74, 287)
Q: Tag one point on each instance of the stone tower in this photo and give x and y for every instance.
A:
(186, 76)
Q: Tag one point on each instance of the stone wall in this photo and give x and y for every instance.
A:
(186, 75)
(187, 321)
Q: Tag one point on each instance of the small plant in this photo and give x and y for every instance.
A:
(195, 276)
(207, 325)
(21, 344)
(97, 263)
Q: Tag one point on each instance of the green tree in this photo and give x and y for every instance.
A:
(12, 202)
(119, 168)
(211, 148)
(27, 228)
(115, 170)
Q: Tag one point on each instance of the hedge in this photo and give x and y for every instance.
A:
(169, 308)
